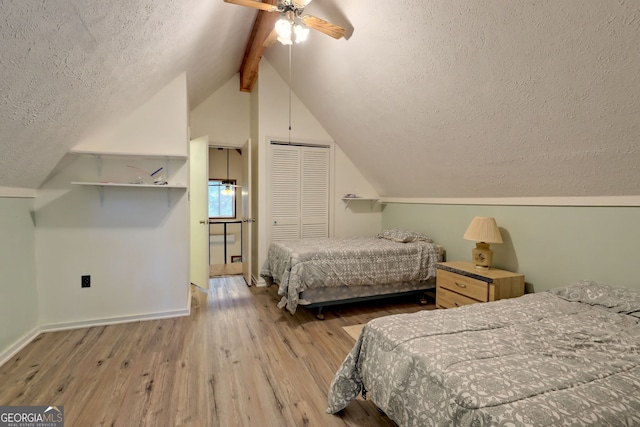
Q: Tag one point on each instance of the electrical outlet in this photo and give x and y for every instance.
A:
(85, 281)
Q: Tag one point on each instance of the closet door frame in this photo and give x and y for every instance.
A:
(331, 193)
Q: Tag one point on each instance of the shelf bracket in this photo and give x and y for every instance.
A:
(347, 200)
(99, 166)
(101, 193)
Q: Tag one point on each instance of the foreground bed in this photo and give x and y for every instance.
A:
(570, 356)
(320, 272)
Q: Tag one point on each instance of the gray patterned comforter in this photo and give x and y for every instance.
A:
(569, 356)
(298, 265)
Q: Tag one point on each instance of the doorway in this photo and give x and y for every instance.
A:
(225, 208)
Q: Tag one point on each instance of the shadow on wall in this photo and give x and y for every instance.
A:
(504, 256)
(80, 207)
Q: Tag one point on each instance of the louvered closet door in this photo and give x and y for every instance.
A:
(315, 192)
(299, 192)
(285, 192)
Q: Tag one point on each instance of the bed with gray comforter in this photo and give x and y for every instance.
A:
(570, 356)
(392, 261)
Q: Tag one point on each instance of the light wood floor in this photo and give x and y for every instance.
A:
(229, 269)
(238, 360)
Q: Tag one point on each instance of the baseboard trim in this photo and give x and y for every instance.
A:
(258, 281)
(7, 354)
(18, 345)
(114, 320)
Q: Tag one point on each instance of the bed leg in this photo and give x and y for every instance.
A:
(319, 315)
(425, 297)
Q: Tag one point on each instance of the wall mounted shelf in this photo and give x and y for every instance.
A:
(111, 154)
(116, 184)
(348, 200)
(100, 185)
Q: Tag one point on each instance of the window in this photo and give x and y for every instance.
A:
(221, 205)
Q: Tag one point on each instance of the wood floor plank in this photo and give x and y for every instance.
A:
(237, 360)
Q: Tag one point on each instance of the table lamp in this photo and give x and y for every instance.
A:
(483, 231)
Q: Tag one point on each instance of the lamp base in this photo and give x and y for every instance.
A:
(482, 256)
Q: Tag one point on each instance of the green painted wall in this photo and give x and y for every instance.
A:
(18, 294)
(552, 246)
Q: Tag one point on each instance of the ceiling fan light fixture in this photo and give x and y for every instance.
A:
(285, 41)
(283, 28)
(228, 184)
(301, 32)
(292, 11)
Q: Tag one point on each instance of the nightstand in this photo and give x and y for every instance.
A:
(460, 283)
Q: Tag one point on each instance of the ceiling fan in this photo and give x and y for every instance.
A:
(292, 10)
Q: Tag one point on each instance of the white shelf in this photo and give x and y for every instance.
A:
(116, 184)
(112, 154)
(348, 200)
(101, 185)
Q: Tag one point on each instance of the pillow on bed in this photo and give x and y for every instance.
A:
(402, 236)
(620, 300)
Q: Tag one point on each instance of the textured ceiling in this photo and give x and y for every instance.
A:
(445, 98)
(438, 98)
(71, 66)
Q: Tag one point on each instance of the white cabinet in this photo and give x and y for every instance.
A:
(298, 191)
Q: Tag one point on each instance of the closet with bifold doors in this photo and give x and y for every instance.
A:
(298, 190)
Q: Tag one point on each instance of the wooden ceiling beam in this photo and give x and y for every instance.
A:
(262, 27)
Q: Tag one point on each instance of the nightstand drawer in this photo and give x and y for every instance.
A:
(448, 299)
(466, 286)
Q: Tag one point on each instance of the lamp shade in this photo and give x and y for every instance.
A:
(483, 229)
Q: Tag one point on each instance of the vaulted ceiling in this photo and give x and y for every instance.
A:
(69, 67)
(439, 98)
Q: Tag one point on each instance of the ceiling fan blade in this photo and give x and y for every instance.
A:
(323, 26)
(271, 39)
(255, 4)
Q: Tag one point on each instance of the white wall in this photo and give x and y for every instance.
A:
(135, 244)
(229, 117)
(18, 291)
(254, 126)
(223, 116)
(273, 123)
(159, 126)
(359, 218)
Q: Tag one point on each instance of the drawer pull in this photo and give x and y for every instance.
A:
(461, 285)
